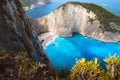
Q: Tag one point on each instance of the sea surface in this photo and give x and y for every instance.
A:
(39, 11)
(63, 52)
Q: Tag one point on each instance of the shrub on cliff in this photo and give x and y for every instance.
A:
(113, 67)
(90, 70)
(18, 66)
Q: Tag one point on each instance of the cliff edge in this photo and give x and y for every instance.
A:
(17, 33)
(85, 18)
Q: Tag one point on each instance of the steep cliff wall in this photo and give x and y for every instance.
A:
(87, 19)
(16, 31)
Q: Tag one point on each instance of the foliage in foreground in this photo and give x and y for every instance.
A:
(21, 67)
(113, 67)
(18, 66)
(91, 70)
(88, 70)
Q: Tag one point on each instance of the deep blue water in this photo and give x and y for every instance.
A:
(65, 51)
(39, 11)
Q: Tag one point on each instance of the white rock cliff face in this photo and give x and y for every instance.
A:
(74, 18)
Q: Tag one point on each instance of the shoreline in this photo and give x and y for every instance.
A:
(46, 38)
(32, 6)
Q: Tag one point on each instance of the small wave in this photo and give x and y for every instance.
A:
(49, 42)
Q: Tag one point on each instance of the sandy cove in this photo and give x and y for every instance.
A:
(46, 38)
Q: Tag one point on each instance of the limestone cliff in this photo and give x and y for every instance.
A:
(87, 19)
(16, 31)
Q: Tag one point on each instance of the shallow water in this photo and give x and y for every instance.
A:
(39, 11)
(65, 51)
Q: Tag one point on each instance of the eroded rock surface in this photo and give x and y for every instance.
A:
(17, 33)
(73, 17)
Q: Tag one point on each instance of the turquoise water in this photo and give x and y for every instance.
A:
(65, 51)
(39, 11)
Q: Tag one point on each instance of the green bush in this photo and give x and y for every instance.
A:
(18, 66)
(91, 70)
(88, 70)
(113, 67)
(21, 67)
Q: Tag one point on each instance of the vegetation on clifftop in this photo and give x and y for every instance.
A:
(103, 15)
(27, 3)
(20, 67)
(91, 70)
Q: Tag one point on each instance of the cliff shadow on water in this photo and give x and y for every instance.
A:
(65, 51)
(22, 56)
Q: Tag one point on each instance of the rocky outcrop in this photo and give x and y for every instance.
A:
(87, 19)
(31, 3)
(17, 33)
(38, 27)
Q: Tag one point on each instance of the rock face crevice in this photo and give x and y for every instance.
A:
(73, 17)
(16, 31)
